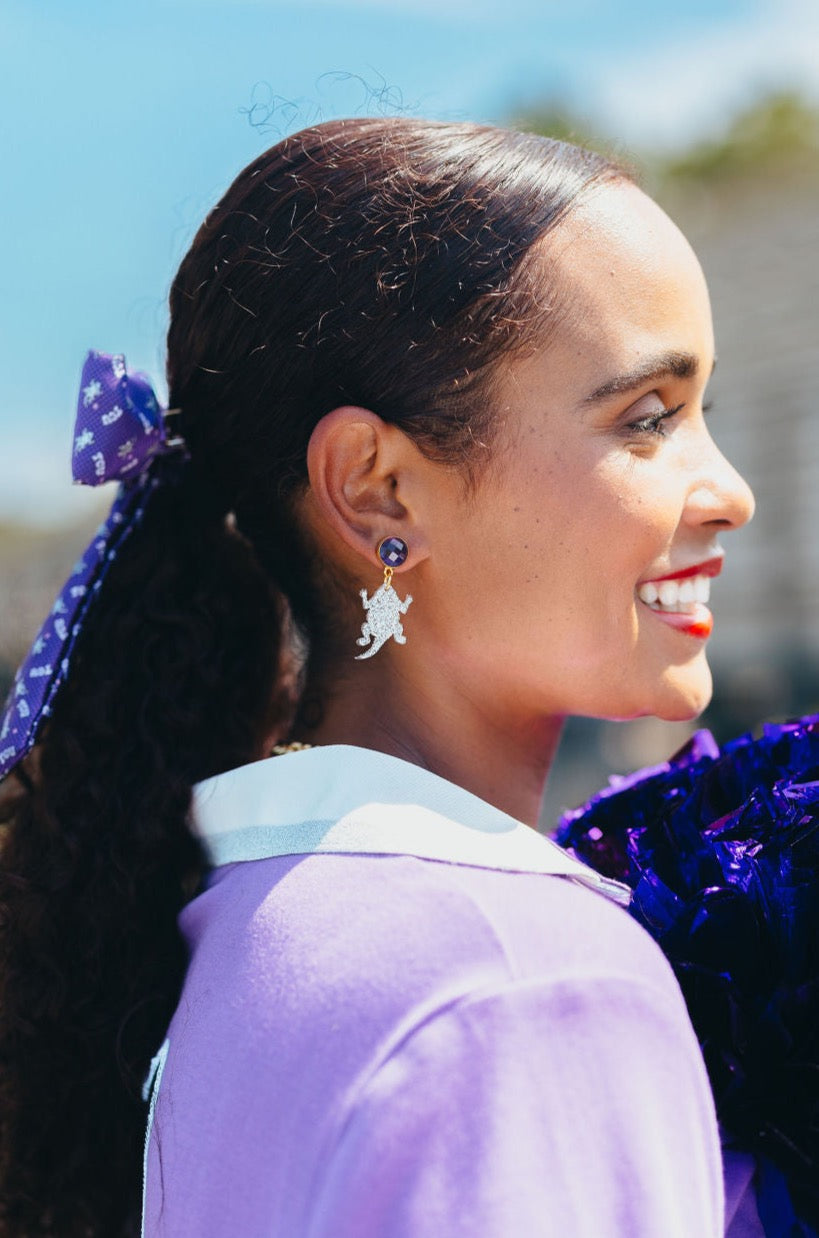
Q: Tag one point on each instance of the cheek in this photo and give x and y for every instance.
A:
(644, 512)
(559, 548)
(607, 527)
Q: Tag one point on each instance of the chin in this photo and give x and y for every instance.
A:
(678, 694)
(684, 693)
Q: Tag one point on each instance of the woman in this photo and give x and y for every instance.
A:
(452, 375)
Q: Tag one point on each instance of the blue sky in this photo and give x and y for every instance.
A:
(120, 124)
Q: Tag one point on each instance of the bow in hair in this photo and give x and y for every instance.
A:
(120, 430)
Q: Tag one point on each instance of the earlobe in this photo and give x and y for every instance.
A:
(360, 470)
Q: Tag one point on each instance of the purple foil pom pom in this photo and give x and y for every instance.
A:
(721, 849)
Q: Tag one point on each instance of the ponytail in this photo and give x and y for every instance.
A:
(172, 680)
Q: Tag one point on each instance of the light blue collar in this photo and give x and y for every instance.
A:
(343, 799)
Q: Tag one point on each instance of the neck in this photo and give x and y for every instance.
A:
(436, 724)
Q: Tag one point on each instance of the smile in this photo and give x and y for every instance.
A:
(678, 597)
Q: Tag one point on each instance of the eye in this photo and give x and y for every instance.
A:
(655, 423)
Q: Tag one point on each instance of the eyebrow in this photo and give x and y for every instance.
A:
(667, 365)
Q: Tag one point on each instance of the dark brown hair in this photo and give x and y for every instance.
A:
(384, 263)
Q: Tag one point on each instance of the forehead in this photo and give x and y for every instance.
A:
(628, 281)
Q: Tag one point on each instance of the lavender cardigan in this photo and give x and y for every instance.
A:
(407, 1015)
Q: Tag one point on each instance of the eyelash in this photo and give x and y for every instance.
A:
(654, 423)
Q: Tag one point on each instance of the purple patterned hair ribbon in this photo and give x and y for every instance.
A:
(120, 430)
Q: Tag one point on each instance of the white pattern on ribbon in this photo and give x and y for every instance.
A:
(92, 392)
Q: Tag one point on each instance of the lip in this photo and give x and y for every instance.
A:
(699, 623)
(710, 567)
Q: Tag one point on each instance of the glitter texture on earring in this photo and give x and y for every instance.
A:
(385, 607)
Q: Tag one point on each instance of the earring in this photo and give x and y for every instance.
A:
(385, 607)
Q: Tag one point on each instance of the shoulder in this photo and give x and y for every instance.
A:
(569, 1103)
(392, 930)
(393, 1003)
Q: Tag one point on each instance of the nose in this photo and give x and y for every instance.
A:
(719, 496)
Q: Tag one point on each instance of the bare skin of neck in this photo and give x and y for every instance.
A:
(411, 708)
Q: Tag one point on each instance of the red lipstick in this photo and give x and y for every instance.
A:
(699, 623)
(688, 614)
(711, 567)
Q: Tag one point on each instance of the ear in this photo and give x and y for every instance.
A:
(366, 483)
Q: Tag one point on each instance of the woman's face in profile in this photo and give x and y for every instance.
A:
(580, 577)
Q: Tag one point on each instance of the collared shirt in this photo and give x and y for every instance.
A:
(408, 1015)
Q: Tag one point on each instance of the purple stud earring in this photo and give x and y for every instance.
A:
(392, 551)
(385, 607)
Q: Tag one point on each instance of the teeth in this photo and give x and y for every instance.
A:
(676, 595)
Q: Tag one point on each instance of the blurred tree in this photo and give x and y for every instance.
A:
(777, 133)
(554, 119)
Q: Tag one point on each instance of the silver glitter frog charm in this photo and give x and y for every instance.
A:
(383, 620)
(385, 607)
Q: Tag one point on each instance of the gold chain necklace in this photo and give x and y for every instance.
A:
(280, 750)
